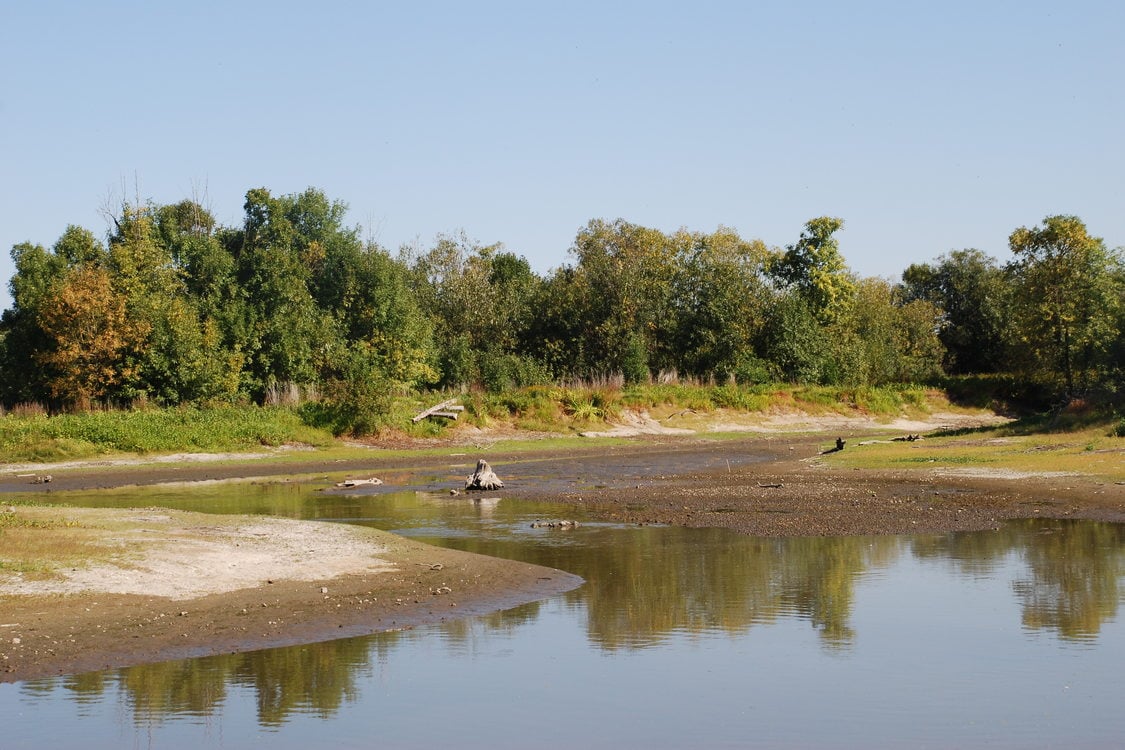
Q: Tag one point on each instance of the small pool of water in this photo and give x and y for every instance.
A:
(679, 638)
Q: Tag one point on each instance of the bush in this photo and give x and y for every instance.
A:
(877, 400)
(504, 372)
(1119, 429)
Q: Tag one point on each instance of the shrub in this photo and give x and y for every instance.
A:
(1119, 429)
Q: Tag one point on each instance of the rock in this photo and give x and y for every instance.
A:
(554, 525)
(484, 478)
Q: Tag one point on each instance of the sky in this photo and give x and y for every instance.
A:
(928, 127)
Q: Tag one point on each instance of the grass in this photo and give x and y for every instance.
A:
(1021, 447)
(75, 436)
(31, 436)
(38, 540)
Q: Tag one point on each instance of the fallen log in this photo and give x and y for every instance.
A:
(445, 409)
(484, 478)
(357, 482)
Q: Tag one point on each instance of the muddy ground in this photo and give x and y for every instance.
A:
(768, 486)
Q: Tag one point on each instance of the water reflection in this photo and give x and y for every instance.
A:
(647, 588)
(1072, 579)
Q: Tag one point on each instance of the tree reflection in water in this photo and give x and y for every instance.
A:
(645, 587)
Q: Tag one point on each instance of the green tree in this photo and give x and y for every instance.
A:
(1068, 294)
(558, 325)
(617, 315)
(278, 251)
(816, 270)
(38, 273)
(36, 284)
(972, 294)
(794, 343)
(719, 298)
(897, 342)
(478, 298)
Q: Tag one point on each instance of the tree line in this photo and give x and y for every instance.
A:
(173, 308)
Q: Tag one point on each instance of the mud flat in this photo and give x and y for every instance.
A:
(169, 584)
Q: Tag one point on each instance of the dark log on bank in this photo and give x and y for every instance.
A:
(484, 478)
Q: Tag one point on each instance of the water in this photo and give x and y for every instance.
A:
(679, 638)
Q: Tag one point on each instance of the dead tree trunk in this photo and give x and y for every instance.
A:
(484, 478)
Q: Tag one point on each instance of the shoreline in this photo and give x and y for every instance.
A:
(771, 485)
(52, 635)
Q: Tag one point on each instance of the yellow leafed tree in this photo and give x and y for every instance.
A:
(92, 337)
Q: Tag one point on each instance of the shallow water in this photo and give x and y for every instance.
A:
(679, 638)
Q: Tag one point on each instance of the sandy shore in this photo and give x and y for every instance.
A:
(367, 581)
(192, 590)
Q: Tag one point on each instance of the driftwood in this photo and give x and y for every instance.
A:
(484, 478)
(449, 409)
(358, 482)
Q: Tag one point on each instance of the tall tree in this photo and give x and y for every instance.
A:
(970, 290)
(38, 271)
(816, 270)
(35, 285)
(1068, 294)
(478, 298)
(719, 297)
(623, 279)
(91, 336)
(279, 249)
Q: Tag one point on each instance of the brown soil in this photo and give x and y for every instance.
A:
(769, 486)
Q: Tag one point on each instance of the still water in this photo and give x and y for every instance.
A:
(679, 638)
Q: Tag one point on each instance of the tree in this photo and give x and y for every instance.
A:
(478, 299)
(280, 247)
(816, 270)
(90, 334)
(898, 342)
(378, 315)
(719, 298)
(972, 294)
(622, 293)
(38, 273)
(795, 344)
(1068, 295)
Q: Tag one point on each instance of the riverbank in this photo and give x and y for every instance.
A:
(169, 585)
(770, 484)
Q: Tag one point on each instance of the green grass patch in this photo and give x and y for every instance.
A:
(37, 539)
(75, 436)
(1088, 450)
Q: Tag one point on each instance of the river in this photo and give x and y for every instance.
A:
(679, 638)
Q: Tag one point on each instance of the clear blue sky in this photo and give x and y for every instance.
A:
(927, 127)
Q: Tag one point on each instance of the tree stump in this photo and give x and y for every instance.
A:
(484, 478)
